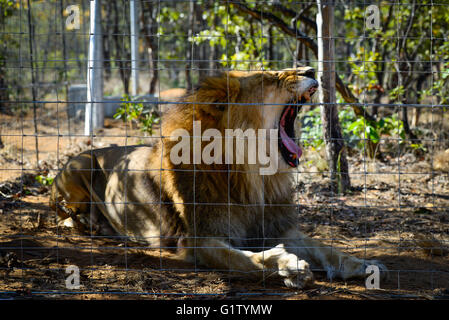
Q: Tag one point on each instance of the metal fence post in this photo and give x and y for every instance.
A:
(133, 7)
(94, 116)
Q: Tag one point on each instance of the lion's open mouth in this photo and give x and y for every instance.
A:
(290, 150)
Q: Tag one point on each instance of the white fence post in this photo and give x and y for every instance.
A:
(94, 116)
(134, 46)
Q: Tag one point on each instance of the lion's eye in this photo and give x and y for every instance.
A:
(310, 75)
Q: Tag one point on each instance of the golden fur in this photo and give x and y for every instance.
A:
(226, 216)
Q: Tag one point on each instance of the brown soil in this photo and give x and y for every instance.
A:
(398, 217)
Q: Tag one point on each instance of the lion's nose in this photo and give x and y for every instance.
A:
(314, 84)
(313, 87)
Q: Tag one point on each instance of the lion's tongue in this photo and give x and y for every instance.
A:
(286, 140)
(290, 144)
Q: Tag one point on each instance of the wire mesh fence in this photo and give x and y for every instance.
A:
(100, 197)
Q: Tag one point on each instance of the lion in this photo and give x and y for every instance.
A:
(223, 215)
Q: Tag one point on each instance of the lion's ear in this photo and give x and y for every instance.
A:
(218, 90)
(213, 95)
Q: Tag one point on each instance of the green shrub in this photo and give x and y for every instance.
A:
(137, 114)
(355, 130)
(44, 180)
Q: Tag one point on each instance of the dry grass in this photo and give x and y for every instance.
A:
(398, 217)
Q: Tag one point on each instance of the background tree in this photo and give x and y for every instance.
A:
(7, 10)
(335, 147)
(380, 72)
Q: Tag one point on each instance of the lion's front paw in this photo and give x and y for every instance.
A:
(296, 273)
(357, 268)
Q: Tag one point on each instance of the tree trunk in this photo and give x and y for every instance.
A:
(149, 21)
(4, 96)
(335, 148)
(201, 49)
(213, 52)
(189, 47)
(417, 110)
(122, 55)
(410, 135)
(212, 58)
(107, 41)
(33, 79)
(4, 91)
(270, 47)
(402, 68)
(64, 58)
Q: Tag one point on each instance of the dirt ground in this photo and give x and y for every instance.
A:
(397, 212)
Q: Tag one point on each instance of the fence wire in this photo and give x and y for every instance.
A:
(395, 210)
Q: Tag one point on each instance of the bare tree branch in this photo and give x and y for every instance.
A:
(274, 20)
(296, 15)
(346, 93)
